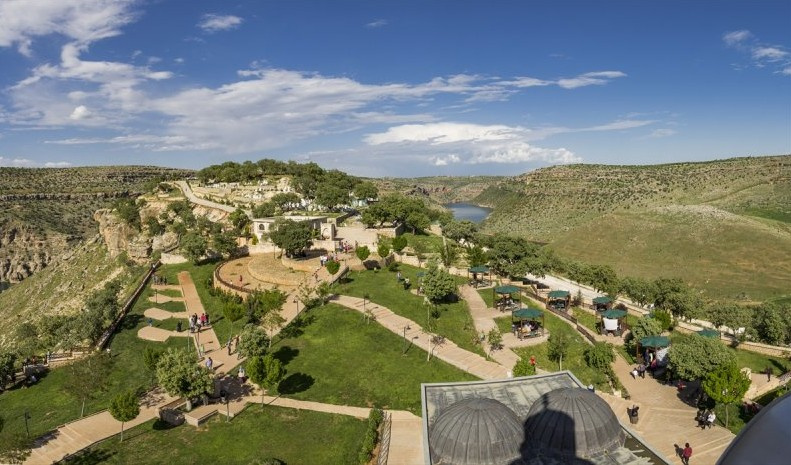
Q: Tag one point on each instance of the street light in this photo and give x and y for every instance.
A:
(27, 417)
(405, 343)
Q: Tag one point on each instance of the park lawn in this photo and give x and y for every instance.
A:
(291, 435)
(48, 403)
(201, 274)
(170, 292)
(172, 306)
(574, 360)
(333, 356)
(429, 242)
(383, 288)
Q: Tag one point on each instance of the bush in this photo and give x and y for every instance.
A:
(399, 243)
(333, 266)
(663, 318)
(524, 368)
(371, 436)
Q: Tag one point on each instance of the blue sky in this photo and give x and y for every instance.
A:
(393, 88)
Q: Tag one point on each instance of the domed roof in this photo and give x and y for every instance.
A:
(476, 431)
(571, 422)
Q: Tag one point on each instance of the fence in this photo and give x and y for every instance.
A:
(384, 439)
(127, 306)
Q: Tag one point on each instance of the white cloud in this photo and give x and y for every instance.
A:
(83, 21)
(664, 132)
(376, 24)
(444, 161)
(213, 23)
(16, 162)
(735, 37)
(774, 57)
(80, 112)
(57, 164)
(769, 53)
(589, 79)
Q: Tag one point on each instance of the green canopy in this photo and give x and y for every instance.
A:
(527, 313)
(558, 294)
(420, 274)
(602, 300)
(479, 269)
(655, 341)
(712, 333)
(506, 289)
(613, 314)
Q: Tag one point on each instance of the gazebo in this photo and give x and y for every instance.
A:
(602, 303)
(529, 315)
(711, 333)
(477, 270)
(653, 342)
(611, 321)
(559, 300)
(502, 296)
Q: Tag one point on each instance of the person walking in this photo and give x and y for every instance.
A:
(686, 454)
(209, 363)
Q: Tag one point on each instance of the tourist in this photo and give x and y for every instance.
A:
(686, 454)
(209, 363)
(178, 327)
(242, 375)
(710, 419)
(641, 370)
(768, 372)
(207, 319)
(634, 373)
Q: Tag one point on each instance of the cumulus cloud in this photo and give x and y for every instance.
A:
(80, 112)
(16, 162)
(376, 24)
(57, 164)
(762, 55)
(213, 23)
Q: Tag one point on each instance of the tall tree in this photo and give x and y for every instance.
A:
(366, 190)
(362, 252)
(292, 236)
(253, 341)
(239, 219)
(194, 246)
(726, 385)
(124, 407)
(438, 284)
(86, 379)
(267, 372)
(694, 356)
(558, 346)
(180, 374)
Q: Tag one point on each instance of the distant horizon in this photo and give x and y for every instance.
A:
(394, 88)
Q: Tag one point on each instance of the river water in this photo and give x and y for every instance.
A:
(468, 211)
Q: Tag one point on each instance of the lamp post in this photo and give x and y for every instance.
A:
(27, 417)
(405, 342)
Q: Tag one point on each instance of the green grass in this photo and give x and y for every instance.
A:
(773, 394)
(454, 322)
(586, 319)
(430, 242)
(170, 292)
(337, 358)
(574, 361)
(291, 435)
(50, 406)
(172, 306)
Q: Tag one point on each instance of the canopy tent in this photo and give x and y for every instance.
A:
(711, 333)
(505, 293)
(602, 303)
(559, 300)
(613, 313)
(478, 270)
(653, 342)
(527, 314)
(611, 321)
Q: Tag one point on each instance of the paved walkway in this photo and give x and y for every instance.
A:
(483, 320)
(448, 351)
(665, 419)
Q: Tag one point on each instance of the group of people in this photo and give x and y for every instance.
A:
(639, 370)
(198, 322)
(706, 418)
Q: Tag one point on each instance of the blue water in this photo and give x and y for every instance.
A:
(468, 211)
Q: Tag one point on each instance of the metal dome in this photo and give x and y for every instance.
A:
(571, 422)
(475, 431)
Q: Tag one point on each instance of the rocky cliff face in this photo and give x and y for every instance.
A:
(120, 237)
(24, 251)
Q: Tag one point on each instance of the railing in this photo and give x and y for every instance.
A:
(127, 306)
(384, 439)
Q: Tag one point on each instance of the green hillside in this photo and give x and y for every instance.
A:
(723, 226)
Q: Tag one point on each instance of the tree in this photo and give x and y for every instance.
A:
(366, 190)
(438, 284)
(600, 356)
(523, 367)
(253, 341)
(730, 315)
(769, 324)
(180, 375)
(267, 372)
(151, 357)
(129, 211)
(153, 226)
(264, 210)
(331, 196)
(639, 290)
(7, 362)
(194, 246)
(224, 243)
(292, 236)
(14, 447)
(124, 407)
(495, 339)
(332, 267)
(448, 253)
(383, 250)
(476, 256)
(726, 385)
(558, 346)
(645, 326)
(87, 378)
(695, 356)
(239, 219)
(399, 243)
(604, 279)
(285, 201)
(460, 230)
(233, 311)
(362, 252)
(262, 303)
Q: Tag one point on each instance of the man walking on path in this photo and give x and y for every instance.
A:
(686, 454)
